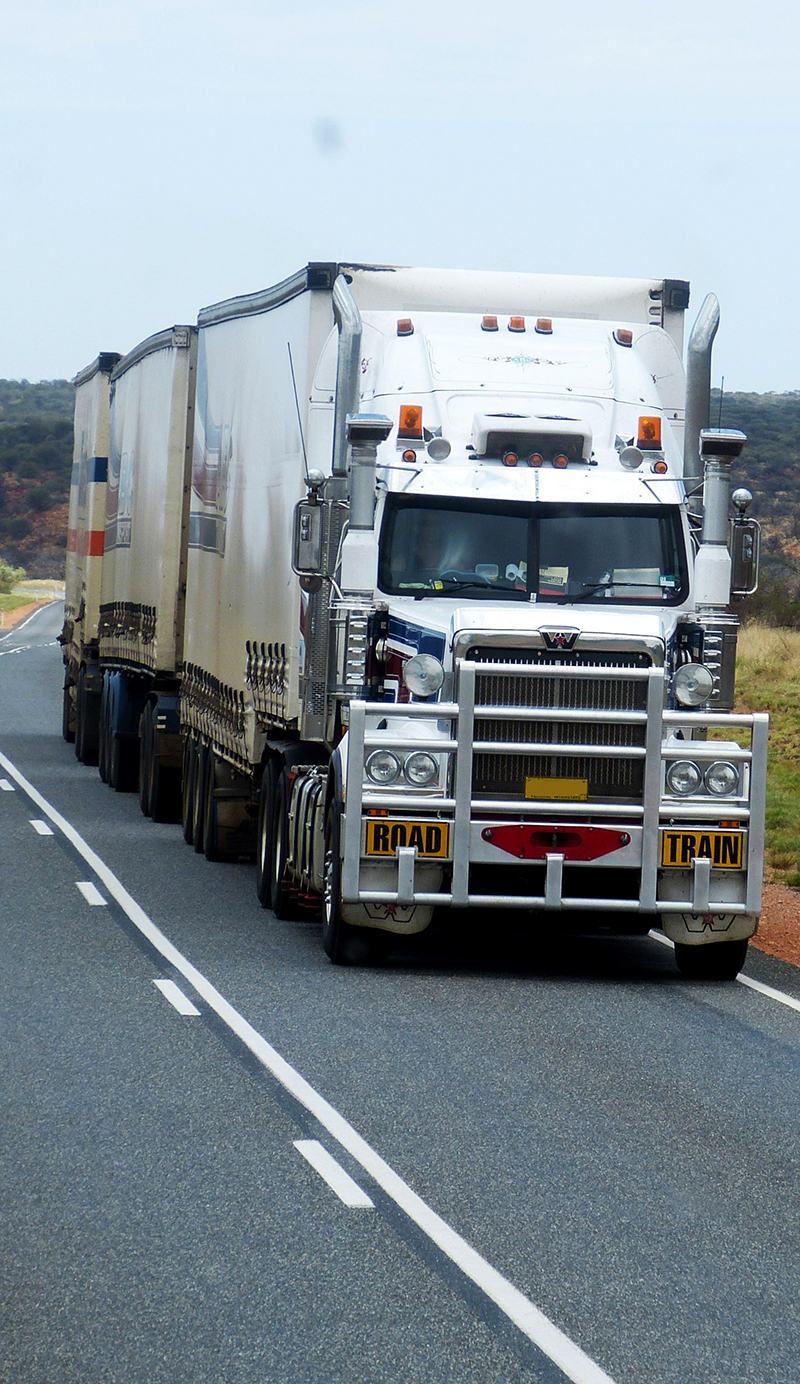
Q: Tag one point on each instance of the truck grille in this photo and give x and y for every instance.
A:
(504, 775)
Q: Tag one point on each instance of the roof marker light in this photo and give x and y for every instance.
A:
(410, 421)
(649, 434)
(409, 455)
(405, 327)
(660, 468)
(560, 461)
(489, 324)
(623, 336)
(516, 324)
(536, 459)
(510, 458)
(544, 325)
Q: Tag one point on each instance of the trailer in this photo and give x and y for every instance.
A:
(458, 630)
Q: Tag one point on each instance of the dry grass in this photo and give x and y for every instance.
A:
(768, 679)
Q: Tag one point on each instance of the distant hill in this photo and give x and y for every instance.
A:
(36, 459)
(35, 465)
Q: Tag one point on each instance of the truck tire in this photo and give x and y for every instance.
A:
(145, 757)
(68, 715)
(102, 750)
(198, 798)
(281, 901)
(344, 944)
(187, 788)
(122, 765)
(211, 849)
(87, 722)
(265, 831)
(716, 961)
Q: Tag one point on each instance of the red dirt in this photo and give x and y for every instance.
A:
(10, 618)
(779, 930)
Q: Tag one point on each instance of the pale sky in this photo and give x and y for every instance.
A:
(160, 155)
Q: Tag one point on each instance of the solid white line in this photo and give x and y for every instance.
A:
(42, 827)
(91, 893)
(532, 1322)
(333, 1173)
(777, 995)
(176, 997)
(6, 786)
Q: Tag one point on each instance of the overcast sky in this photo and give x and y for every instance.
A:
(160, 155)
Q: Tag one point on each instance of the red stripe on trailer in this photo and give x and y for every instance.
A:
(92, 543)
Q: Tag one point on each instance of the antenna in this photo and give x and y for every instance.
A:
(721, 392)
(297, 406)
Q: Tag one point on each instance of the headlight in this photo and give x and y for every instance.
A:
(693, 684)
(722, 778)
(383, 767)
(420, 769)
(423, 675)
(683, 777)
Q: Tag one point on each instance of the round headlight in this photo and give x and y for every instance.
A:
(683, 777)
(693, 684)
(722, 778)
(383, 767)
(420, 769)
(423, 675)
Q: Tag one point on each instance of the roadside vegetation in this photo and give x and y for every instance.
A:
(768, 679)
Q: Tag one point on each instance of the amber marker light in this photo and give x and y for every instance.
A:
(410, 455)
(560, 461)
(516, 324)
(544, 326)
(660, 468)
(489, 324)
(649, 435)
(535, 459)
(510, 458)
(623, 336)
(405, 327)
(410, 421)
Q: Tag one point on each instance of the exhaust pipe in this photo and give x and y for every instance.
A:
(348, 364)
(698, 397)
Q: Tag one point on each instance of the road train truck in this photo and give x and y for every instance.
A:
(457, 625)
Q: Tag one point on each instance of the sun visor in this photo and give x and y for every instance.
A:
(494, 433)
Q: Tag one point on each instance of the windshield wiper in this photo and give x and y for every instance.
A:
(594, 587)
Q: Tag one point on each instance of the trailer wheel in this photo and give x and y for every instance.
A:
(265, 831)
(344, 944)
(187, 788)
(198, 796)
(87, 722)
(145, 757)
(211, 849)
(103, 736)
(68, 715)
(716, 961)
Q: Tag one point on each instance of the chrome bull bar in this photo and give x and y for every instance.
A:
(460, 809)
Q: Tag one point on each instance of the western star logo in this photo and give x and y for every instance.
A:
(560, 639)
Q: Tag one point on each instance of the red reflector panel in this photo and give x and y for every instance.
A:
(536, 842)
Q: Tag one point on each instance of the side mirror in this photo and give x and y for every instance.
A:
(745, 546)
(307, 539)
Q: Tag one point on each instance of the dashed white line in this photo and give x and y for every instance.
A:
(41, 827)
(91, 893)
(176, 997)
(7, 787)
(340, 1182)
(526, 1316)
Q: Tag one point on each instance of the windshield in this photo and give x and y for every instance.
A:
(558, 553)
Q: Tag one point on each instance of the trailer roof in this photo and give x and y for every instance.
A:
(103, 364)
(171, 337)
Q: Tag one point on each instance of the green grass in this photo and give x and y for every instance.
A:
(13, 602)
(768, 679)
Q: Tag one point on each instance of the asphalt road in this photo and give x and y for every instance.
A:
(620, 1145)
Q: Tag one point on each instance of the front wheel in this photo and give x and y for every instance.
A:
(715, 961)
(344, 944)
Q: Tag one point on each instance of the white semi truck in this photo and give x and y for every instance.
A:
(458, 626)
